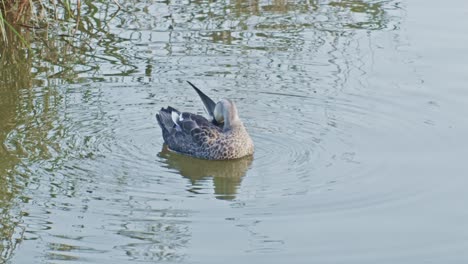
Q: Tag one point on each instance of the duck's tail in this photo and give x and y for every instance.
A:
(165, 119)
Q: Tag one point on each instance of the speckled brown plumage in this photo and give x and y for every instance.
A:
(224, 137)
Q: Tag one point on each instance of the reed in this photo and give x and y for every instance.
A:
(13, 13)
(20, 17)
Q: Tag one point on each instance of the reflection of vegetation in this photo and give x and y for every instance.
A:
(11, 67)
(159, 239)
(261, 25)
(27, 113)
(31, 131)
(375, 12)
(227, 174)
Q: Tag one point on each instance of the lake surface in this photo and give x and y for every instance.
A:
(358, 111)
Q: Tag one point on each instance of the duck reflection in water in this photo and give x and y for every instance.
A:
(226, 174)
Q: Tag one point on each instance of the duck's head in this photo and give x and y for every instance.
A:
(225, 112)
(222, 113)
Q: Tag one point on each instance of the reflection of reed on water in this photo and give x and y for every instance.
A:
(14, 80)
(227, 174)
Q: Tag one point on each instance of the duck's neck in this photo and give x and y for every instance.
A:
(232, 125)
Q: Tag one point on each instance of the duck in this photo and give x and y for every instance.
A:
(222, 136)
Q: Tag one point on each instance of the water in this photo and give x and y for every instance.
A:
(357, 110)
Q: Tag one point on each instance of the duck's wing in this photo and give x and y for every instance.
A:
(208, 104)
(184, 132)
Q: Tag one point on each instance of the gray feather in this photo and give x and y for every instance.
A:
(207, 102)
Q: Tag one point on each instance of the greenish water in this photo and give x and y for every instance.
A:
(358, 111)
